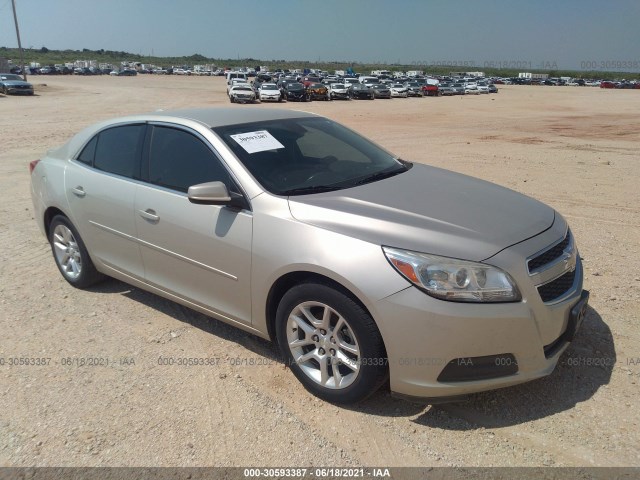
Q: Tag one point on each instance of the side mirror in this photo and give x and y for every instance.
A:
(215, 193)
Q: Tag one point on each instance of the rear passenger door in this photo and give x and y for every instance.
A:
(201, 253)
(100, 185)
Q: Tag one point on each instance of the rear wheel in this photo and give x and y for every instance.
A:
(331, 343)
(70, 254)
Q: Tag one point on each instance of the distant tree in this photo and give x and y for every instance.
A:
(44, 50)
(196, 57)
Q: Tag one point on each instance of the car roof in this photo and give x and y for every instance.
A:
(217, 117)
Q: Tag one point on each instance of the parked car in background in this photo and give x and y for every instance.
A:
(493, 88)
(398, 90)
(380, 90)
(318, 91)
(446, 89)
(360, 91)
(483, 88)
(12, 84)
(414, 89)
(294, 91)
(365, 269)
(236, 81)
(430, 90)
(127, 72)
(242, 93)
(340, 91)
(269, 92)
(309, 80)
(471, 89)
(607, 84)
(458, 88)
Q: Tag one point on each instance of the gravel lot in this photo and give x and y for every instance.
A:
(576, 149)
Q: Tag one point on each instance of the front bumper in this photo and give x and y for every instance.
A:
(446, 349)
(19, 91)
(243, 98)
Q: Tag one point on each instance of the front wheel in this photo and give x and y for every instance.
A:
(70, 254)
(331, 343)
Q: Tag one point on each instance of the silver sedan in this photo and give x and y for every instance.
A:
(363, 267)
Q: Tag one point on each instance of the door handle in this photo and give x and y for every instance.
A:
(149, 214)
(78, 191)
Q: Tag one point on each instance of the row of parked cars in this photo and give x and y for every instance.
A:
(269, 87)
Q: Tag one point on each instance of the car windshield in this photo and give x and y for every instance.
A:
(294, 86)
(269, 87)
(10, 77)
(308, 155)
(336, 86)
(235, 89)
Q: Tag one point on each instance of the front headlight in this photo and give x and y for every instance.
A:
(452, 279)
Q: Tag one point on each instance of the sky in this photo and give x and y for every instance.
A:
(522, 34)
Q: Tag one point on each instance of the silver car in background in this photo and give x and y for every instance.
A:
(361, 266)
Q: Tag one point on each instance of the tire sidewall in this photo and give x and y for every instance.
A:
(372, 355)
(87, 273)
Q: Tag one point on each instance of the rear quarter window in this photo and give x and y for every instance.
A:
(118, 150)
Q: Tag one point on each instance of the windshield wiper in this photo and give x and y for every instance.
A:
(380, 175)
(311, 189)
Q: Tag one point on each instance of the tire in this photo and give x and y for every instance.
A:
(359, 352)
(231, 99)
(70, 254)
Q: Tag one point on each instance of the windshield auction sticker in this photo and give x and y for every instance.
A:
(259, 141)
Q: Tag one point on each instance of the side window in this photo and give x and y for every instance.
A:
(117, 150)
(178, 159)
(88, 152)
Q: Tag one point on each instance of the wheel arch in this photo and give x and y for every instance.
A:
(285, 282)
(49, 215)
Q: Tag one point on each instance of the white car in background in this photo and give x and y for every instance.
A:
(471, 89)
(243, 93)
(482, 88)
(398, 90)
(269, 92)
(340, 91)
(235, 82)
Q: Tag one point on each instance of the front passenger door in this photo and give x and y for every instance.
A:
(201, 253)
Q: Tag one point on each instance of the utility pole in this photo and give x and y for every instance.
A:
(15, 19)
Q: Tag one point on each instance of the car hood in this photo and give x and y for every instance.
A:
(15, 83)
(429, 210)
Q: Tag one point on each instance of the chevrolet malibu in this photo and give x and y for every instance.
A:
(361, 266)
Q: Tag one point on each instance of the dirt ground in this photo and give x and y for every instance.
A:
(577, 149)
